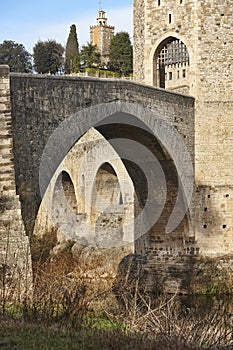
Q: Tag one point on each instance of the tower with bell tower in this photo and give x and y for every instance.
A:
(101, 35)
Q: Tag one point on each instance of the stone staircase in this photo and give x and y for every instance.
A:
(15, 260)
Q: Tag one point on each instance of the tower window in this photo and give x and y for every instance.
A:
(170, 18)
(178, 74)
(181, 1)
(170, 75)
(184, 73)
(159, 2)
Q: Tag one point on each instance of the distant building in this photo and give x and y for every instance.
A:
(100, 35)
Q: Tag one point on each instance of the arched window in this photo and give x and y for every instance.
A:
(170, 54)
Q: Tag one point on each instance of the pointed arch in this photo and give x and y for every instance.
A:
(171, 64)
(152, 74)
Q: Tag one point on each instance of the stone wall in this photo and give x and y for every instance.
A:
(152, 26)
(205, 27)
(15, 265)
(214, 123)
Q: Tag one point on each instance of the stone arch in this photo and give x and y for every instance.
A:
(105, 244)
(150, 74)
(107, 207)
(64, 185)
(175, 148)
(68, 189)
(161, 128)
(67, 202)
(105, 158)
(130, 128)
(59, 204)
(172, 34)
(106, 177)
(171, 62)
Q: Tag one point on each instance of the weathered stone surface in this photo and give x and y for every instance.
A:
(41, 104)
(90, 199)
(68, 107)
(15, 264)
(205, 27)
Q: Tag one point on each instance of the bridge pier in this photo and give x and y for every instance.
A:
(15, 263)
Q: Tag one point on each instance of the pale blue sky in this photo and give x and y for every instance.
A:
(26, 21)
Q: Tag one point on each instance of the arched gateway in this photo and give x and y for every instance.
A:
(171, 65)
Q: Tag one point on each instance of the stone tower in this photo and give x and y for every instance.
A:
(186, 46)
(100, 35)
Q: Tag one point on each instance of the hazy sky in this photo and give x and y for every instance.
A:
(26, 22)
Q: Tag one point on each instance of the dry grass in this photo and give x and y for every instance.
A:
(71, 310)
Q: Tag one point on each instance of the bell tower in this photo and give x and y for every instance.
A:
(101, 35)
(186, 46)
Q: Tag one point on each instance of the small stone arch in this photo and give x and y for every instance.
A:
(107, 175)
(64, 185)
(117, 170)
(120, 199)
(59, 204)
(67, 203)
(170, 61)
(107, 207)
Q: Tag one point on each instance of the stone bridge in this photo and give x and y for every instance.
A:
(108, 163)
(51, 114)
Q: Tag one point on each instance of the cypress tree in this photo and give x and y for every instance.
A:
(72, 59)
